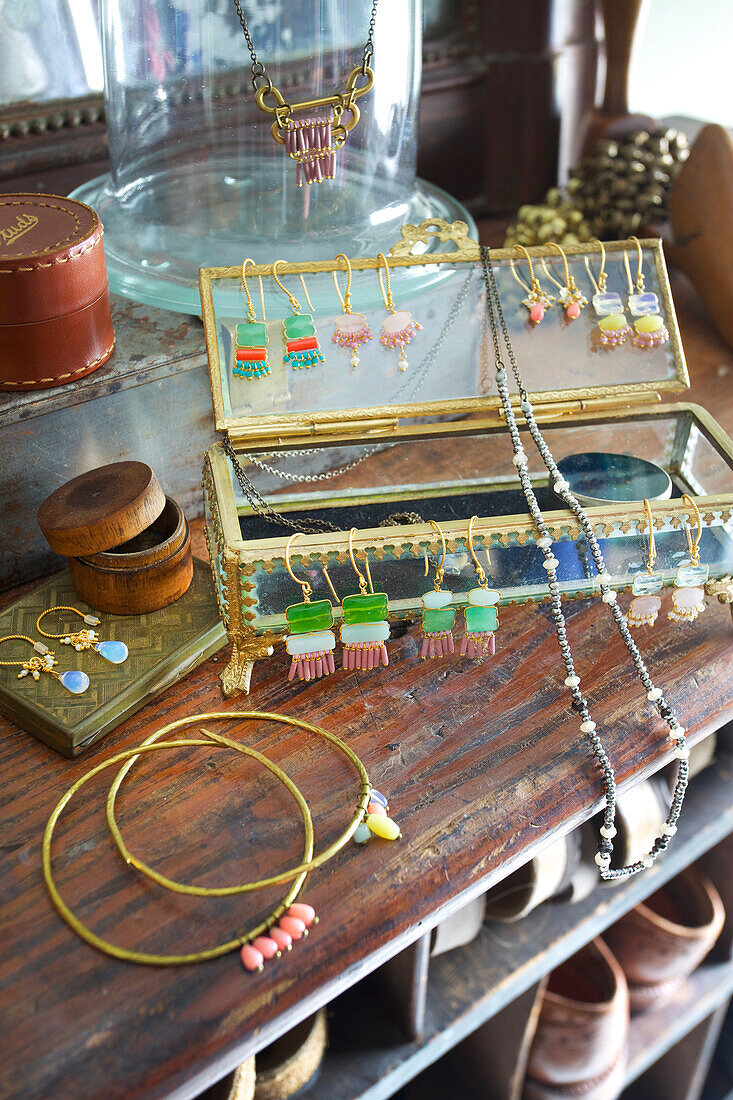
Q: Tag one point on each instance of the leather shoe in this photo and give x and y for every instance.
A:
(579, 1047)
(662, 941)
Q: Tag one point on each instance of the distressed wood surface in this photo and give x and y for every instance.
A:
(482, 763)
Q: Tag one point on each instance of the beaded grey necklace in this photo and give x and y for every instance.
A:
(572, 680)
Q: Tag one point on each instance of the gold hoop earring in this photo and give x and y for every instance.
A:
(250, 339)
(311, 643)
(438, 616)
(481, 614)
(351, 329)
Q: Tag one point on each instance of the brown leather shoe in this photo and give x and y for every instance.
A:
(660, 943)
(579, 1048)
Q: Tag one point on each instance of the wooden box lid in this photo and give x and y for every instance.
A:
(101, 508)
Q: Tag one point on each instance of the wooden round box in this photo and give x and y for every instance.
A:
(128, 545)
(55, 323)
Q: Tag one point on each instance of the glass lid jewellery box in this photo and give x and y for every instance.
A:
(425, 439)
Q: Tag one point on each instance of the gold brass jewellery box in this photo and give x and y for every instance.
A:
(384, 450)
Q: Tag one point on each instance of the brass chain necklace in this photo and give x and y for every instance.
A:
(312, 142)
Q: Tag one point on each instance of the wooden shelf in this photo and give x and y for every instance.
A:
(368, 1058)
(653, 1033)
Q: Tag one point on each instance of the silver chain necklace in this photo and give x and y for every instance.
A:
(572, 680)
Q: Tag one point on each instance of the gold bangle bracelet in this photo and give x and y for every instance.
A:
(275, 880)
(200, 956)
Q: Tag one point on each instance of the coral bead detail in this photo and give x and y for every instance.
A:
(573, 311)
(536, 313)
(282, 938)
(293, 926)
(266, 947)
(303, 912)
(376, 808)
(252, 959)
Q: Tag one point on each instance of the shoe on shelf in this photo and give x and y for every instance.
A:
(660, 942)
(579, 1047)
(542, 877)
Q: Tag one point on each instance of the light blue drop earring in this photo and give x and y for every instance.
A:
(44, 661)
(114, 652)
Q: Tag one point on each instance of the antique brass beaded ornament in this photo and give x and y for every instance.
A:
(646, 604)
(688, 594)
(113, 651)
(312, 141)
(44, 661)
(290, 919)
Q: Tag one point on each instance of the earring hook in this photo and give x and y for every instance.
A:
(294, 303)
(441, 568)
(357, 570)
(569, 280)
(251, 315)
(693, 546)
(346, 298)
(602, 276)
(483, 582)
(307, 590)
(534, 282)
(652, 543)
(387, 296)
(640, 271)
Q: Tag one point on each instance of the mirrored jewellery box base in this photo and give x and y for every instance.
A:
(358, 442)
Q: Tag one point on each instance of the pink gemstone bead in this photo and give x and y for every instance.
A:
(293, 926)
(376, 808)
(268, 948)
(573, 311)
(303, 912)
(536, 313)
(282, 938)
(252, 959)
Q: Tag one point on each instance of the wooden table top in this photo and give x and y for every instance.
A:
(481, 762)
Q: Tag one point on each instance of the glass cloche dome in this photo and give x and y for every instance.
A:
(196, 178)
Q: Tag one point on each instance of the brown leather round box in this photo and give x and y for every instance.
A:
(55, 323)
(128, 545)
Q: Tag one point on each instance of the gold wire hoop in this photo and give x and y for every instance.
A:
(534, 282)
(386, 295)
(294, 303)
(482, 580)
(652, 556)
(48, 611)
(303, 868)
(307, 590)
(694, 548)
(144, 957)
(346, 297)
(569, 280)
(251, 315)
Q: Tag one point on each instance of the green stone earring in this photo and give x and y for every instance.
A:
(365, 629)
(481, 614)
(438, 616)
(311, 641)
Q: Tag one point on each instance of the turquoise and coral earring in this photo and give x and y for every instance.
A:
(250, 338)
(438, 616)
(481, 615)
(299, 331)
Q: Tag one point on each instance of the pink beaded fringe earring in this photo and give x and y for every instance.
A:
(399, 327)
(351, 329)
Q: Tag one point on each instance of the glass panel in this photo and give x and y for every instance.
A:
(450, 357)
(448, 479)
